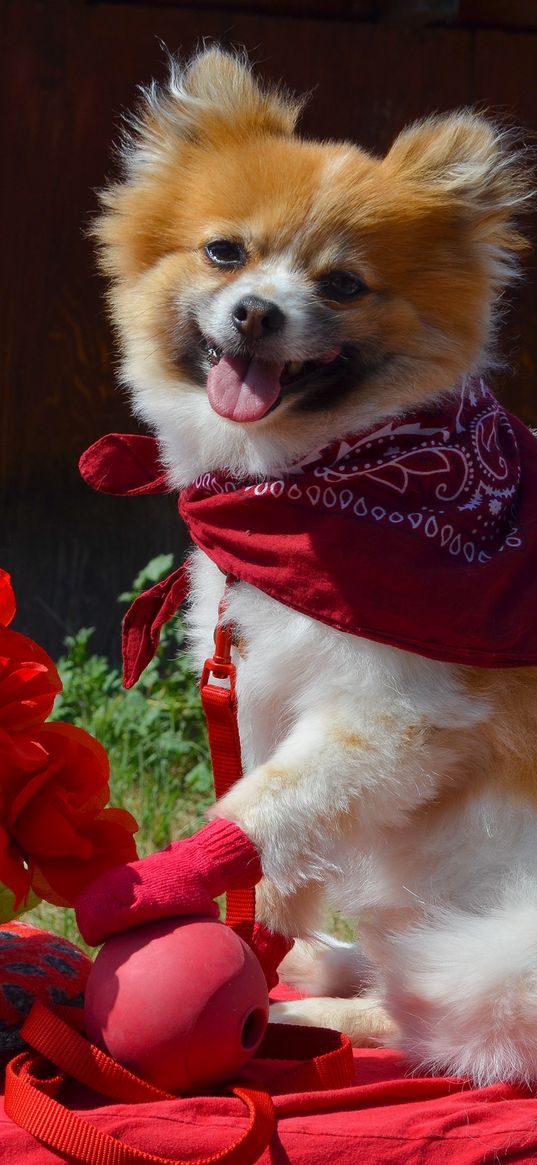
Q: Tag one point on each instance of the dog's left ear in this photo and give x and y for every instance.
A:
(213, 97)
(468, 167)
(220, 84)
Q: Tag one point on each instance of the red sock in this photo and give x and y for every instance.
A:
(183, 879)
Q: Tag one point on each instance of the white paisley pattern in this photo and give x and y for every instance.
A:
(451, 478)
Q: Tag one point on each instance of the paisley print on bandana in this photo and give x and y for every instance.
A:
(453, 478)
(420, 533)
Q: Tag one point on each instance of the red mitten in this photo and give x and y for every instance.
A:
(183, 879)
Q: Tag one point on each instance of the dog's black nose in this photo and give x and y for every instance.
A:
(254, 317)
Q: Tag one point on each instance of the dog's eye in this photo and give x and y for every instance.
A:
(225, 253)
(341, 285)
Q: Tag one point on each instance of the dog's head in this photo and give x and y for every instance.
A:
(271, 293)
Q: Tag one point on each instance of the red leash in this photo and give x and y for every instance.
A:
(220, 708)
(33, 1085)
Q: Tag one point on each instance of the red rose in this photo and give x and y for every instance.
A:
(56, 834)
(7, 598)
(29, 682)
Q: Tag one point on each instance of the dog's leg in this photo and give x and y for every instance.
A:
(325, 966)
(462, 988)
(297, 912)
(364, 1020)
(336, 778)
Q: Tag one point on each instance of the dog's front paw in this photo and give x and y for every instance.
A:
(363, 1020)
(236, 804)
(325, 966)
(253, 805)
(288, 842)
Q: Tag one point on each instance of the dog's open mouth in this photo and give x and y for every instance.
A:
(244, 388)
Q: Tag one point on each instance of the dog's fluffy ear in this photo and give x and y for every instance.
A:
(213, 97)
(467, 166)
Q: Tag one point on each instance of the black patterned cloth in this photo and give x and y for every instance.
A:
(35, 964)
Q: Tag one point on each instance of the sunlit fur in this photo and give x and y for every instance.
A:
(399, 788)
(429, 227)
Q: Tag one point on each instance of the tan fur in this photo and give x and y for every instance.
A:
(352, 741)
(508, 740)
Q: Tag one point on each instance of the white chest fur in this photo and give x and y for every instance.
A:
(335, 730)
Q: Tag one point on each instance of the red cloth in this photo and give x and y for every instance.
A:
(421, 533)
(37, 965)
(387, 1118)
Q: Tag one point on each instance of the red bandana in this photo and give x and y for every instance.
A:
(421, 533)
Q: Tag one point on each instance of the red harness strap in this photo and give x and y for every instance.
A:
(33, 1087)
(220, 708)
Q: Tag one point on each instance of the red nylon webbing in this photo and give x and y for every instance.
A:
(326, 1055)
(70, 1051)
(30, 1102)
(220, 708)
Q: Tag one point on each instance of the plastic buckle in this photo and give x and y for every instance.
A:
(220, 665)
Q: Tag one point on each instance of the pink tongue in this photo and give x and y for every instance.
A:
(242, 389)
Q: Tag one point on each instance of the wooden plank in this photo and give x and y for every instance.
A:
(501, 14)
(70, 553)
(504, 81)
(307, 9)
(367, 81)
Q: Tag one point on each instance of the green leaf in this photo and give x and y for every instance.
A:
(8, 909)
(156, 569)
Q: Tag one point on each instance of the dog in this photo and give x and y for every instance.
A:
(273, 295)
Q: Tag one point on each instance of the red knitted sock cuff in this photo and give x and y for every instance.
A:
(225, 857)
(183, 879)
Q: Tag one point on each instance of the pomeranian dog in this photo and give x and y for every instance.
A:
(274, 297)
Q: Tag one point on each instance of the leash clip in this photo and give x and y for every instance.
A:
(219, 664)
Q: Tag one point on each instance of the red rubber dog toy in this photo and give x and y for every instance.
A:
(182, 1002)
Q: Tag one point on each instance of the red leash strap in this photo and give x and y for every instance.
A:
(33, 1087)
(32, 1090)
(325, 1055)
(220, 708)
(44, 1031)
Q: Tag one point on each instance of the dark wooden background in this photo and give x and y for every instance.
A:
(69, 68)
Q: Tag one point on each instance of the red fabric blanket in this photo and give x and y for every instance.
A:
(386, 1118)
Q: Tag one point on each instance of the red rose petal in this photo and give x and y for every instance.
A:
(7, 598)
(55, 834)
(29, 682)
